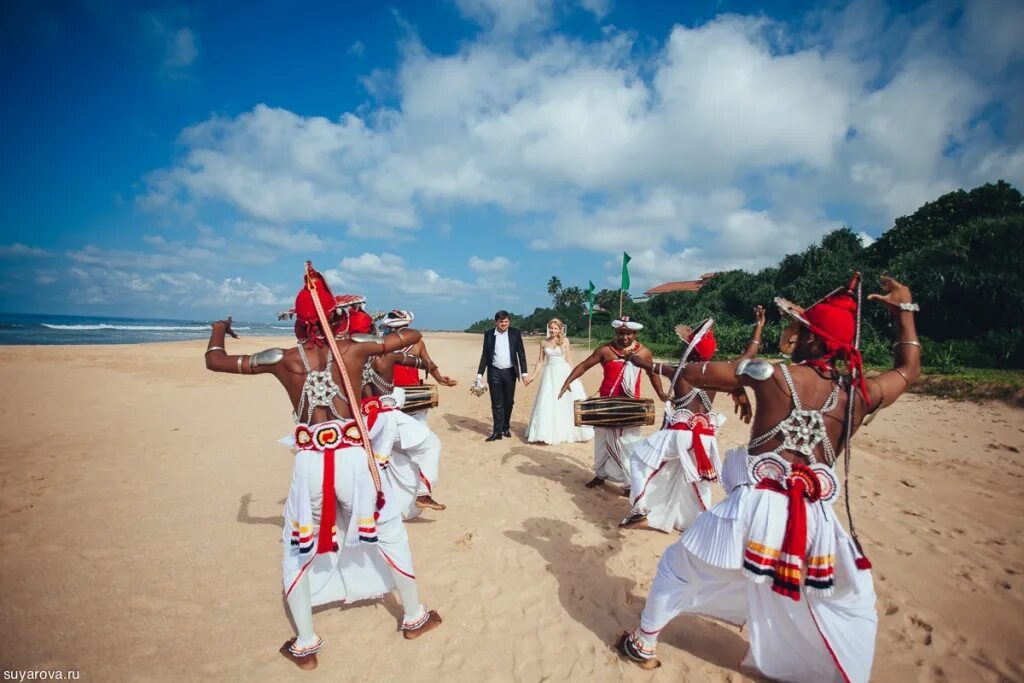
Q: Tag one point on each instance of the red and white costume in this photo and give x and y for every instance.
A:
(673, 469)
(613, 446)
(773, 554)
(343, 539)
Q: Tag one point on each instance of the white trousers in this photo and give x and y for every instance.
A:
(613, 447)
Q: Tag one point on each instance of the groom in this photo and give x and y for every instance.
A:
(505, 360)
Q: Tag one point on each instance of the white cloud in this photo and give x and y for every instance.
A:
(357, 48)
(190, 290)
(496, 265)
(281, 238)
(18, 249)
(726, 145)
(181, 49)
(176, 42)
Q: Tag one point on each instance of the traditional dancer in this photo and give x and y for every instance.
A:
(613, 446)
(408, 374)
(360, 550)
(411, 451)
(673, 469)
(773, 554)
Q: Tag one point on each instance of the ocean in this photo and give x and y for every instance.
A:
(18, 328)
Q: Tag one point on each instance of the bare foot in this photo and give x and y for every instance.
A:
(306, 663)
(596, 481)
(428, 502)
(432, 622)
(634, 522)
(623, 647)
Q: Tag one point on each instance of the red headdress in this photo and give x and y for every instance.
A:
(835, 320)
(359, 322)
(307, 324)
(705, 347)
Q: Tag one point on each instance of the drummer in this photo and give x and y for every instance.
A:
(614, 445)
(407, 374)
(414, 450)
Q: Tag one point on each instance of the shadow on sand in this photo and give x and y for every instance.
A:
(244, 517)
(589, 592)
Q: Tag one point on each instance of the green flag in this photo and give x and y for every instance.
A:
(590, 297)
(625, 272)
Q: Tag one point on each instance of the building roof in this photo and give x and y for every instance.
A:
(680, 285)
(677, 286)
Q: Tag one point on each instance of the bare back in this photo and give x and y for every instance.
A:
(774, 404)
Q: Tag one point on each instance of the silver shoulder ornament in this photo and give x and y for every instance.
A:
(757, 369)
(359, 337)
(266, 357)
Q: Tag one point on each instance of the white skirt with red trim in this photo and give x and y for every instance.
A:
(358, 570)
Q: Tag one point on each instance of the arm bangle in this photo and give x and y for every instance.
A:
(240, 364)
(753, 341)
(908, 343)
(905, 378)
(214, 348)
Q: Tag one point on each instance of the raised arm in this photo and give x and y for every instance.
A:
(645, 356)
(648, 364)
(754, 345)
(577, 372)
(218, 360)
(906, 368)
(420, 349)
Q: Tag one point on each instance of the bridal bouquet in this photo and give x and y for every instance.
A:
(478, 388)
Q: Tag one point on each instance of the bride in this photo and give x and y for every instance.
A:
(552, 420)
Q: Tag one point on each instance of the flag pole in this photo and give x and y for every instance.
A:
(590, 322)
(621, 292)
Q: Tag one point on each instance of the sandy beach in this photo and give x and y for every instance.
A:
(140, 522)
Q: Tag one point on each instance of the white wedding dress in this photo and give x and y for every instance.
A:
(552, 420)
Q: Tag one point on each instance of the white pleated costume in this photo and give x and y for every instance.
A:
(409, 452)
(367, 554)
(673, 469)
(773, 556)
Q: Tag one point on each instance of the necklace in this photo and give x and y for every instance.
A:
(632, 348)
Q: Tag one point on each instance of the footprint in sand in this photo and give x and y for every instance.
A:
(924, 627)
(464, 542)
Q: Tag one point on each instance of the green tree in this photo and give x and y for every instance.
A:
(554, 287)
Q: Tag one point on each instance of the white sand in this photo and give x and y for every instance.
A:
(140, 525)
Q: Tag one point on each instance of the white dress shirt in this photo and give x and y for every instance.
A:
(502, 356)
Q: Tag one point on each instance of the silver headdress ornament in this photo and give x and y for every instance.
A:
(397, 319)
(702, 330)
(627, 323)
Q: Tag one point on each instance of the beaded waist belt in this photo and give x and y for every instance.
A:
(329, 435)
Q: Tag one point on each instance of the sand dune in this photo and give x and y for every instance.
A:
(141, 508)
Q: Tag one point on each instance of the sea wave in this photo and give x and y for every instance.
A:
(135, 328)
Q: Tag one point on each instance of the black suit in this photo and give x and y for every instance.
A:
(502, 382)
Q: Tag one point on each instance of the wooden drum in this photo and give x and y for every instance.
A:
(419, 397)
(614, 411)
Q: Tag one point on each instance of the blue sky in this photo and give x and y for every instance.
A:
(183, 159)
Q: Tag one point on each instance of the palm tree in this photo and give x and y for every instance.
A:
(554, 286)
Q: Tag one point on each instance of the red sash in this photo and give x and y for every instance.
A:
(801, 483)
(705, 470)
